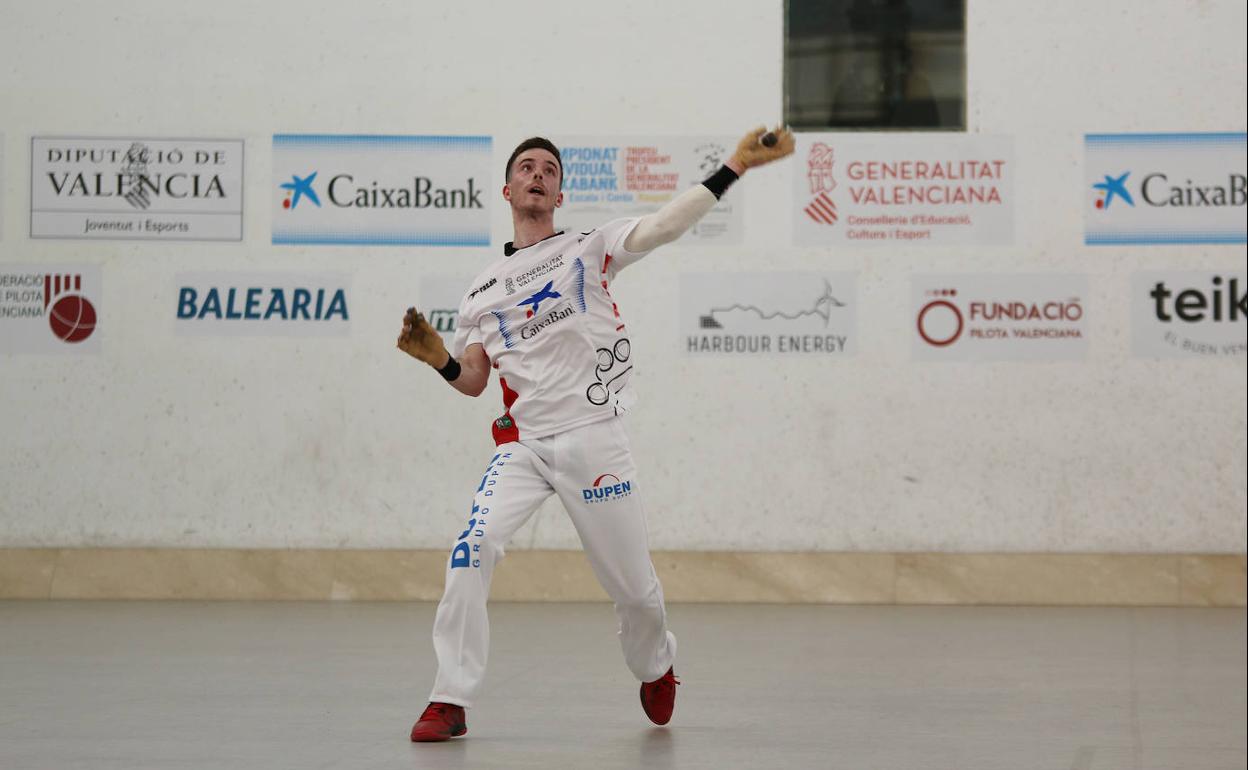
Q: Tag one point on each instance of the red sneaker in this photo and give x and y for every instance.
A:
(658, 698)
(440, 722)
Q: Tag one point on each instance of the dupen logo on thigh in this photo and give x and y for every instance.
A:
(467, 550)
(607, 487)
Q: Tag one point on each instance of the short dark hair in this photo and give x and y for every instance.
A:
(538, 142)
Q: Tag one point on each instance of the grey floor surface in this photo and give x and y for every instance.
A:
(106, 685)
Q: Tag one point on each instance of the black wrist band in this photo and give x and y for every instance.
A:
(450, 372)
(719, 182)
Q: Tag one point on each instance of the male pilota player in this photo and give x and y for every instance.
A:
(543, 316)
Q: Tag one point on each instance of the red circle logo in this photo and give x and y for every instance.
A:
(936, 341)
(72, 318)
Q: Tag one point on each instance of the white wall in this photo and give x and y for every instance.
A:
(165, 440)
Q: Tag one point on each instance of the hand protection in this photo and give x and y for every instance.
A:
(751, 152)
(421, 341)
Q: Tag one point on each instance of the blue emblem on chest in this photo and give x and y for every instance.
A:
(546, 292)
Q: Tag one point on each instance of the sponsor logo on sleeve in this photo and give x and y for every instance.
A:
(488, 284)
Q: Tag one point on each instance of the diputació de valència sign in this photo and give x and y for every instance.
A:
(133, 188)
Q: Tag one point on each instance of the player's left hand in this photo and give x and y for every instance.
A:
(751, 152)
(419, 339)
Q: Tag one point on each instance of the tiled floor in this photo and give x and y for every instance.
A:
(113, 685)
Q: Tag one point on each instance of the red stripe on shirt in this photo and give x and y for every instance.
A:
(507, 430)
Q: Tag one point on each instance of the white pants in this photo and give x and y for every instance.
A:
(591, 469)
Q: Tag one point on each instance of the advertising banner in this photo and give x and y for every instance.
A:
(1189, 314)
(1165, 188)
(136, 189)
(50, 308)
(256, 304)
(997, 317)
(606, 178)
(916, 189)
(382, 190)
(780, 314)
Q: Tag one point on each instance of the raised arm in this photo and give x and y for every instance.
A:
(419, 340)
(682, 212)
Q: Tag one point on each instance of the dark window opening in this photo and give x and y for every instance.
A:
(875, 64)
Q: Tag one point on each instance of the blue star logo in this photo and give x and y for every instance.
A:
(536, 300)
(1114, 187)
(300, 187)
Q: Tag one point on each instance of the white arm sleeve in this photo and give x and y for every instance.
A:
(467, 331)
(670, 222)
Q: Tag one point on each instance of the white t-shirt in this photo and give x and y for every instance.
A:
(546, 319)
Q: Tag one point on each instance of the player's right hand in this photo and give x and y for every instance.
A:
(420, 340)
(751, 152)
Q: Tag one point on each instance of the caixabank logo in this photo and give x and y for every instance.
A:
(1165, 188)
(342, 191)
(263, 304)
(541, 310)
(1189, 314)
(49, 308)
(999, 317)
(1157, 190)
(381, 190)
